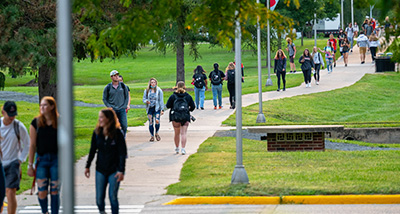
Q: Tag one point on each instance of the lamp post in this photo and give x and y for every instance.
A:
(239, 175)
(65, 103)
(269, 81)
(352, 14)
(315, 27)
(341, 16)
(260, 116)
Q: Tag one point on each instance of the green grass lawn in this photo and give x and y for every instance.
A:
(371, 102)
(286, 173)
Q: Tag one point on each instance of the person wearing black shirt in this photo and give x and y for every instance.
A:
(43, 136)
(109, 143)
(307, 64)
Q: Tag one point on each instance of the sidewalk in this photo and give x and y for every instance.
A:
(151, 167)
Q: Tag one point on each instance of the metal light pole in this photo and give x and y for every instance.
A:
(371, 7)
(269, 81)
(315, 27)
(65, 104)
(352, 14)
(239, 175)
(341, 16)
(260, 116)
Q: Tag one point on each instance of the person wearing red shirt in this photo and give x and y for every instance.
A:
(333, 41)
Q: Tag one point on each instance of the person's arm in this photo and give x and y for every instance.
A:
(105, 97)
(295, 51)
(275, 65)
(145, 100)
(205, 80)
(25, 142)
(126, 95)
(190, 103)
(92, 152)
(321, 59)
(161, 100)
(129, 100)
(170, 101)
(122, 153)
(284, 64)
(301, 60)
(32, 151)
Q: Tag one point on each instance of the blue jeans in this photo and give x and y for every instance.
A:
(2, 185)
(199, 94)
(101, 185)
(121, 114)
(329, 64)
(151, 114)
(47, 169)
(217, 93)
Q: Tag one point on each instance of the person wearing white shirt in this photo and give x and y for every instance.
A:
(14, 144)
(318, 61)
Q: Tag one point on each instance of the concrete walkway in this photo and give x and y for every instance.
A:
(152, 166)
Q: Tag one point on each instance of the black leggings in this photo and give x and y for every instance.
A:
(317, 68)
(231, 89)
(307, 76)
(278, 76)
(373, 52)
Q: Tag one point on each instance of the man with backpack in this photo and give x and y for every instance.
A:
(200, 86)
(216, 77)
(14, 147)
(116, 96)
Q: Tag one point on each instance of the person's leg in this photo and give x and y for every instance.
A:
(317, 69)
(113, 193)
(42, 179)
(233, 96)
(12, 174)
(305, 76)
(2, 187)
(215, 94)
(202, 96)
(54, 185)
(278, 78)
(284, 79)
(373, 53)
(219, 93)
(177, 133)
(309, 76)
(101, 185)
(183, 134)
(123, 121)
(231, 90)
(334, 58)
(351, 40)
(150, 117)
(197, 97)
(157, 116)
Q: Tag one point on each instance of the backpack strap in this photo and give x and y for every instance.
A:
(16, 130)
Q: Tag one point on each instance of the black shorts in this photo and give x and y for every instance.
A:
(291, 59)
(12, 175)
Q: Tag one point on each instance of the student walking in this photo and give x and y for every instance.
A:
(345, 48)
(43, 136)
(318, 61)
(14, 140)
(334, 46)
(230, 77)
(362, 42)
(216, 77)
(280, 69)
(116, 96)
(154, 99)
(328, 50)
(108, 142)
(291, 48)
(307, 64)
(181, 104)
(128, 107)
(341, 38)
(350, 36)
(373, 45)
(200, 86)
(356, 30)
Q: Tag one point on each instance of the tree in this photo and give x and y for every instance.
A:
(28, 41)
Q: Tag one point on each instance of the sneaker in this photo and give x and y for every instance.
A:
(362, 62)
(317, 83)
(334, 64)
(103, 212)
(151, 139)
(215, 107)
(284, 89)
(220, 107)
(309, 85)
(177, 150)
(278, 90)
(345, 65)
(202, 108)
(183, 151)
(351, 50)
(306, 85)
(294, 71)
(158, 138)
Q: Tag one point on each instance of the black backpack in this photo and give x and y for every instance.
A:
(231, 77)
(215, 78)
(198, 80)
(180, 110)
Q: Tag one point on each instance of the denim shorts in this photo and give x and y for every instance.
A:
(47, 168)
(13, 175)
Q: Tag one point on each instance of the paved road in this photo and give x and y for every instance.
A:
(151, 167)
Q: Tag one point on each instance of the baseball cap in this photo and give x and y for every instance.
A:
(113, 72)
(11, 108)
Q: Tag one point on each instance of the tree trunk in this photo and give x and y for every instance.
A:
(180, 59)
(302, 37)
(279, 41)
(47, 82)
(266, 61)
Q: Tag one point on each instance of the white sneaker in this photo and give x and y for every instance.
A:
(317, 83)
(309, 85)
(183, 151)
(306, 85)
(177, 150)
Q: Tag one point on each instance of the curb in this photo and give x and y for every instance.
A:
(317, 199)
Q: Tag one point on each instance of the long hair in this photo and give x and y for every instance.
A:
(112, 124)
(180, 87)
(282, 54)
(53, 114)
(230, 66)
(373, 37)
(316, 51)
(149, 86)
(199, 70)
(289, 40)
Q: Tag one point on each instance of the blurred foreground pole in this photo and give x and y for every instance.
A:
(239, 175)
(260, 116)
(269, 81)
(315, 27)
(65, 105)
